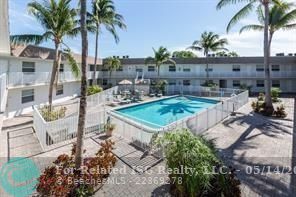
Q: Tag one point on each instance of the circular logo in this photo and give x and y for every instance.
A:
(18, 177)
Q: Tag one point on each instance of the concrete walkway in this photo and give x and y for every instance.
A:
(245, 141)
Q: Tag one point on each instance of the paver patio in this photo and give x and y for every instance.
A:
(246, 139)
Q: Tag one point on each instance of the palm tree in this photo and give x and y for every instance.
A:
(112, 64)
(245, 11)
(280, 17)
(104, 15)
(58, 20)
(161, 56)
(83, 103)
(208, 42)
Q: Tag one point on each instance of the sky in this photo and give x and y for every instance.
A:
(174, 24)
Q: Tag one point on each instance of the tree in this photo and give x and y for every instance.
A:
(183, 54)
(83, 103)
(245, 11)
(208, 42)
(161, 56)
(103, 15)
(229, 54)
(58, 20)
(112, 64)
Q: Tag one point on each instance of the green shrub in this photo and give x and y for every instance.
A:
(209, 84)
(184, 150)
(261, 97)
(94, 90)
(280, 112)
(275, 93)
(54, 114)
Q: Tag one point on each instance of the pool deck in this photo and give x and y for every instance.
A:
(246, 139)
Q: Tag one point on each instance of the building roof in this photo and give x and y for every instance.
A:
(31, 51)
(219, 60)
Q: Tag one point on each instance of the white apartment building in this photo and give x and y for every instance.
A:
(25, 77)
(227, 72)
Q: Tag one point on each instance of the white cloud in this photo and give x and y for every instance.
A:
(251, 43)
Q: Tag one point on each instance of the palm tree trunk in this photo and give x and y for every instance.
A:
(207, 68)
(83, 103)
(268, 102)
(96, 57)
(53, 74)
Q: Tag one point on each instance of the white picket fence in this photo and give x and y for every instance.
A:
(58, 132)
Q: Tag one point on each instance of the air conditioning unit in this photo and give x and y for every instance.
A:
(280, 54)
(290, 54)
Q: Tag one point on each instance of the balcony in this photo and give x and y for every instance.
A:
(16, 79)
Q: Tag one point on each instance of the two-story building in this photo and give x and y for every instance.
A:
(226, 72)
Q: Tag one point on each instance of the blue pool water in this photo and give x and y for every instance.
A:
(160, 113)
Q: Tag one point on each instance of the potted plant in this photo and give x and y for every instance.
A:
(109, 129)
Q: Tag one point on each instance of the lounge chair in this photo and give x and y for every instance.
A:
(159, 95)
(151, 94)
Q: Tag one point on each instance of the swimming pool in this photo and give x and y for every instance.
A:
(157, 114)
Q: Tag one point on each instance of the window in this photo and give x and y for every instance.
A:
(90, 82)
(91, 67)
(276, 83)
(28, 67)
(151, 68)
(139, 69)
(260, 83)
(275, 67)
(60, 90)
(236, 68)
(172, 68)
(61, 68)
(27, 96)
(259, 68)
(186, 69)
(105, 82)
(209, 69)
(119, 69)
(236, 83)
(172, 83)
(186, 82)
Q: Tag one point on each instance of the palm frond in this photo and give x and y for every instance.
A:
(245, 11)
(253, 27)
(26, 39)
(75, 69)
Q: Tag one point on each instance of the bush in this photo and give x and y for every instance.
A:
(280, 112)
(275, 93)
(184, 150)
(57, 181)
(94, 90)
(261, 97)
(54, 114)
(209, 84)
(258, 106)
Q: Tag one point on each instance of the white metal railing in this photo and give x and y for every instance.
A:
(200, 74)
(35, 78)
(3, 91)
(102, 97)
(138, 132)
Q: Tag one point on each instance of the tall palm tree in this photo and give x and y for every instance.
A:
(58, 20)
(83, 103)
(161, 56)
(245, 11)
(208, 42)
(104, 14)
(112, 64)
